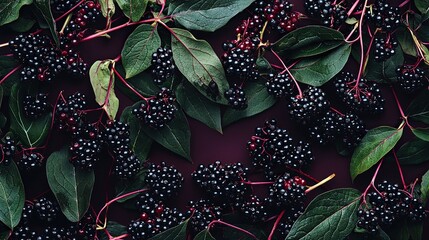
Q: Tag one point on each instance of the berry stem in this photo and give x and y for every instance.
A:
(9, 74)
(123, 236)
(337, 111)
(404, 3)
(351, 34)
(128, 85)
(400, 170)
(353, 8)
(4, 44)
(367, 52)
(68, 19)
(258, 183)
(69, 11)
(287, 70)
(371, 184)
(401, 111)
(329, 178)
(232, 226)
(112, 201)
(276, 223)
(300, 172)
(362, 52)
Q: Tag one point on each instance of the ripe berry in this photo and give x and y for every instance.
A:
(163, 180)
(288, 191)
(85, 147)
(239, 63)
(203, 213)
(384, 48)
(368, 220)
(86, 227)
(384, 16)
(326, 129)
(36, 106)
(352, 131)
(254, 209)
(411, 78)
(332, 13)
(158, 110)
(364, 97)
(280, 85)
(147, 202)
(63, 6)
(127, 165)
(162, 65)
(141, 230)
(46, 210)
(30, 161)
(116, 135)
(306, 108)
(23, 232)
(290, 216)
(279, 14)
(236, 97)
(8, 149)
(69, 113)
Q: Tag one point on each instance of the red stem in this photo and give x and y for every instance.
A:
(371, 184)
(300, 172)
(9, 74)
(362, 57)
(398, 104)
(400, 170)
(258, 183)
(128, 85)
(273, 230)
(290, 74)
(69, 11)
(234, 227)
(404, 3)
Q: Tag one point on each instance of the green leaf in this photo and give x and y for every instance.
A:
(375, 145)
(206, 15)
(1, 95)
(308, 41)
(72, 187)
(419, 108)
(199, 107)
(138, 49)
(115, 230)
(233, 234)
(197, 61)
(140, 143)
(142, 83)
(31, 133)
(133, 9)
(204, 235)
(384, 71)
(415, 230)
(23, 24)
(126, 186)
(107, 8)
(406, 41)
(413, 152)
(422, 133)
(424, 188)
(12, 195)
(263, 65)
(8, 64)
(331, 215)
(318, 70)
(103, 85)
(175, 233)
(9, 10)
(258, 101)
(422, 5)
(44, 8)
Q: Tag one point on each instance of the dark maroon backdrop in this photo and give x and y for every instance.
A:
(208, 145)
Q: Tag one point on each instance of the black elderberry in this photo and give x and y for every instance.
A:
(384, 48)
(290, 216)
(280, 85)
(8, 149)
(46, 210)
(352, 130)
(239, 63)
(362, 96)
(236, 97)
(69, 112)
(327, 128)
(127, 165)
(368, 220)
(383, 15)
(85, 146)
(35, 106)
(23, 232)
(254, 209)
(116, 135)
(203, 213)
(159, 110)
(62, 6)
(162, 65)
(141, 230)
(288, 191)
(331, 13)
(411, 78)
(164, 181)
(30, 161)
(147, 202)
(309, 106)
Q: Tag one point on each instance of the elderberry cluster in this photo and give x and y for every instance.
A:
(387, 205)
(116, 136)
(7, 150)
(85, 146)
(35, 106)
(69, 112)
(384, 48)
(272, 149)
(278, 14)
(157, 111)
(383, 15)
(411, 78)
(332, 13)
(42, 219)
(162, 65)
(164, 180)
(30, 161)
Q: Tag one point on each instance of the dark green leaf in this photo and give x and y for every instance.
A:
(413, 152)
(1, 95)
(263, 65)
(133, 9)
(103, 85)
(126, 186)
(204, 235)
(422, 133)
(9, 10)
(206, 15)
(331, 215)
(415, 230)
(308, 41)
(115, 230)
(44, 8)
(197, 61)
(384, 71)
(142, 83)
(72, 187)
(175, 233)
(422, 5)
(199, 107)
(7, 65)
(30, 133)
(22, 24)
(232, 234)
(406, 41)
(318, 70)
(258, 101)
(107, 8)
(424, 188)
(138, 49)
(140, 143)
(3, 120)
(375, 145)
(399, 231)
(419, 108)
(12, 195)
